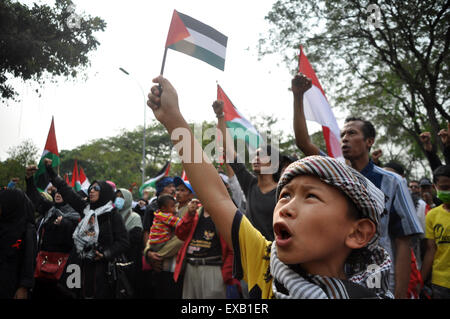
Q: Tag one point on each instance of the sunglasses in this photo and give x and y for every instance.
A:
(95, 187)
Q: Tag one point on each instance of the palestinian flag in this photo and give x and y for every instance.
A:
(66, 179)
(76, 184)
(84, 181)
(41, 179)
(240, 127)
(317, 109)
(152, 181)
(197, 39)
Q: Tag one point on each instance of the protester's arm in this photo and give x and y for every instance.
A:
(428, 259)
(228, 142)
(376, 157)
(213, 195)
(42, 205)
(67, 193)
(402, 266)
(430, 150)
(444, 134)
(299, 85)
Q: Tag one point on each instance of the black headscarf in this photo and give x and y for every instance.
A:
(106, 194)
(16, 212)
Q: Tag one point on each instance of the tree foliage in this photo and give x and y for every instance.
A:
(26, 153)
(394, 73)
(43, 40)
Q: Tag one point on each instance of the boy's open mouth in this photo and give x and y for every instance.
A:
(282, 232)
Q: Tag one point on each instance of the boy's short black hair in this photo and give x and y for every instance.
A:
(367, 128)
(163, 200)
(397, 167)
(443, 170)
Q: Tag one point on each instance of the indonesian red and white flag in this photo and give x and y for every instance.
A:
(317, 109)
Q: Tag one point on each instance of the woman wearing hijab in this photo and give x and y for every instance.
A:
(99, 238)
(17, 244)
(133, 225)
(54, 232)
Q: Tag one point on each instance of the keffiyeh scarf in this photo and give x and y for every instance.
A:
(86, 234)
(296, 286)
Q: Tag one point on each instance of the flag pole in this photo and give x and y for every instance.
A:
(163, 62)
(162, 70)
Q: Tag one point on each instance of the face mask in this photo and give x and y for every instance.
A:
(444, 196)
(119, 202)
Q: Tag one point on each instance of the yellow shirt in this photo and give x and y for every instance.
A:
(251, 258)
(437, 227)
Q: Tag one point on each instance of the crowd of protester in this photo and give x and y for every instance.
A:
(317, 227)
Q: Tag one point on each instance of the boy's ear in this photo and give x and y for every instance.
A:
(362, 232)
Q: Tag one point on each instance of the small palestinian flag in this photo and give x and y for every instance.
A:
(76, 184)
(240, 127)
(152, 181)
(41, 179)
(197, 39)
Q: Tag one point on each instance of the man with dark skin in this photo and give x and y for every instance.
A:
(357, 138)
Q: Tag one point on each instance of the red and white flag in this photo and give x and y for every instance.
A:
(84, 180)
(317, 109)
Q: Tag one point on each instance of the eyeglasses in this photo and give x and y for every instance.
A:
(95, 187)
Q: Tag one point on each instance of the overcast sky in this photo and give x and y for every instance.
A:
(134, 39)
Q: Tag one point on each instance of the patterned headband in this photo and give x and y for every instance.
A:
(366, 196)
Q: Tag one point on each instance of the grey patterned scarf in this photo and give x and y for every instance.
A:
(375, 276)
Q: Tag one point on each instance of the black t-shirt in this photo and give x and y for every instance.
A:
(205, 242)
(260, 206)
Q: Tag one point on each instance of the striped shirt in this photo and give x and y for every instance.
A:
(161, 231)
(401, 218)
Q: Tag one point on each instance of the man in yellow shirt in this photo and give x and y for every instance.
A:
(437, 233)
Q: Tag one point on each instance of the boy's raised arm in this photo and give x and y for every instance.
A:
(213, 195)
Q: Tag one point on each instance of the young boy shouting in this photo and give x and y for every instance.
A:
(325, 221)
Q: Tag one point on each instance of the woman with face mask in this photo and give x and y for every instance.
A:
(133, 225)
(99, 237)
(55, 226)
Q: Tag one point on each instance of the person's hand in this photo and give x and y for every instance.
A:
(58, 220)
(425, 138)
(300, 84)
(193, 205)
(218, 107)
(47, 162)
(30, 170)
(21, 293)
(164, 105)
(155, 260)
(376, 155)
(141, 203)
(98, 255)
(444, 135)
